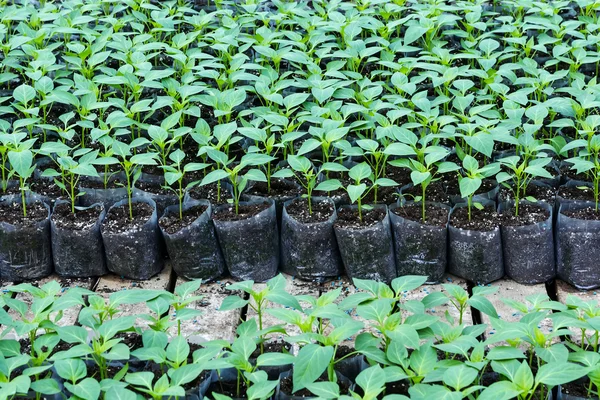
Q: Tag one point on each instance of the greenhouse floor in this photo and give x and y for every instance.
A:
(214, 324)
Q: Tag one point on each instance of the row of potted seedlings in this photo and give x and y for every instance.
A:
(172, 123)
(372, 344)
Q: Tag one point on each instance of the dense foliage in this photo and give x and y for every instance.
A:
(185, 88)
(386, 329)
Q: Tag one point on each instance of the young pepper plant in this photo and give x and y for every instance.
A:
(471, 179)
(305, 173)
(234, 172)
(358, 189)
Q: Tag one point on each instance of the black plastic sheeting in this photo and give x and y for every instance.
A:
(577, 248)
(529, 249)
(25, 251)
(194, 250)
(310, 250)
(250, 246)
(79, 253)
(135, 254)
(368, 252)
(420, 249)
(475, 255)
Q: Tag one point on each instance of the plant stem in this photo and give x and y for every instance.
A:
(23, 197)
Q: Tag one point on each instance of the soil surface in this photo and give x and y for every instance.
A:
(277, 346)
(576, 193)
(244, 212)
(154, 188)
(321, 211)
(385, 195)
(587, 214)
(435, 192)
(279, 188)
(348, 218)
(529, 214)
(229, 388)
(210, 193)
(540, 193)
(577, 389)
(117, 220)
(481, 220)
(171, 223)
(131, 339)
(434, 215)
(453, 189)
(12, 213)
(82, 219)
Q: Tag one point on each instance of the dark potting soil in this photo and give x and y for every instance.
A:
(244, 212)
(46, 188)
(153, 188)
(481, 220)
(94, 372)
(400, 387)
(540, 193)
(277, 346)
(321, 211)
(279, 188)
(529, 214)
(343, 351)
(171, 223)
(131, 339)
(229, 388)
(12, 213)
(82, 219)
(452, 188)
(117, 219)
(99, 184)
(348, 218)
(578, 388)
(587, 214)
(399, 175)
(210, 193)
(385, 195)
(287, 385)
(434, 215)
(435, 193)
(576, 193)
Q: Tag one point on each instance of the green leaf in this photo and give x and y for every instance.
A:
(87, 389)
(483, 305)
(356, 192)
(70, 369)
(274, 359)
(214, 176)
(460, 376)
(232, 302)
(21, 161)
(178, 350)
(324, 390)
(558, 373)
(24, 94)
(311, 362)
(469, 186)
(372, 381)
(407, 283)
(503, 390)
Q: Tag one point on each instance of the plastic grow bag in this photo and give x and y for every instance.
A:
(368, 253)
(25, 251)
(529, 249)
(577, 248)
(135, 254)
(475, 255)
(419, 249)
(78, 253)
(309, 250)
(250, 246)
(108, 196)
(194, 250)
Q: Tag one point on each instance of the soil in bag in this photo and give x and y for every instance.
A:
(528, 242)
(133, 246)
(578, 245)
(163, 197)
(366, 245)
(420, 248)
(191, 241)
(77, 247)
(95, 191)
(25, 245)
(249, 239)
(475, 247)
(281, 191)
(308, 245)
